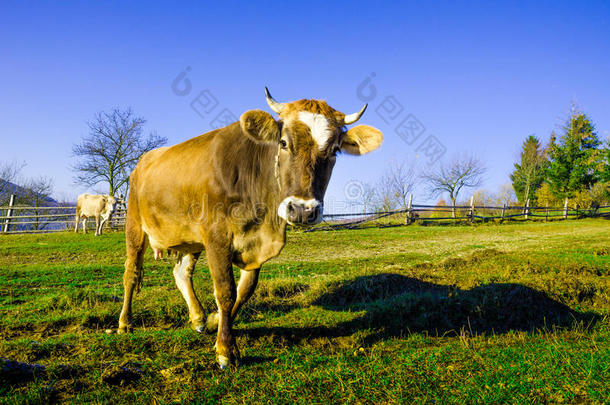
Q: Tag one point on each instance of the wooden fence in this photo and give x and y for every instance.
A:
(27, 219)
(470, 213)
(23, 219)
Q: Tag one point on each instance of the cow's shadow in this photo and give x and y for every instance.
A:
(393, 305)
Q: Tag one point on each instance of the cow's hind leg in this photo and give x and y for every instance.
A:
(132, 278)
(247, 283)
(183, 274)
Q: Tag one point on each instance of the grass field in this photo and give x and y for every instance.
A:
(487, 313)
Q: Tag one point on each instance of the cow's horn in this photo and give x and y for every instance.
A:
(274, 105)
(351, 118)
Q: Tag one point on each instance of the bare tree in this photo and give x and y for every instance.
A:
(385, 200)
(452, 176)
(9, 173)
(395, 185)
(506, 195)
(368, 197)
(36, 192)
(112, 149)
(30, 192)
(363, 198)
(485, 198)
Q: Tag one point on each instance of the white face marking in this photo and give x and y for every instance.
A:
(282, 210)
(318, 124)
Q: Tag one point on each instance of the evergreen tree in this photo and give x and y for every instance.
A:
(530, 172)
(574, 159)
(603, 166)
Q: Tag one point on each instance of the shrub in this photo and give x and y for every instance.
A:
(545, 197)
(440, 210)
(600, 193)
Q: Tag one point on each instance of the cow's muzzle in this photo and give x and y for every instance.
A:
(297, 211)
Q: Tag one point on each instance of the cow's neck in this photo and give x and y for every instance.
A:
(247, 174)
(251, 177)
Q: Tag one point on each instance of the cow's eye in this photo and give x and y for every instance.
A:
(283, 144)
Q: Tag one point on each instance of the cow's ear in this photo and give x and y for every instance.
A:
(260, 125)
(361, 139)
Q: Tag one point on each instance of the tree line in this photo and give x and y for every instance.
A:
(575, 164)
(400, 179)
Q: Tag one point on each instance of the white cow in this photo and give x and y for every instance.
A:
(98, 206)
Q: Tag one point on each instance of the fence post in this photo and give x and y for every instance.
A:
(503, 212)
(565, 209)
(471, 213)
(526, 209)
(9, 213)
(123, 211)
(547, 212)
(118, 214)
(409, 209)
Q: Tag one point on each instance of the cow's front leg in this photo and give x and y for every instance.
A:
(247, 283)
(97, 225)
(103, 221)
(183, 274)
(221, 269)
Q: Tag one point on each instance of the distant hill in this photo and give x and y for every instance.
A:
(8, 188)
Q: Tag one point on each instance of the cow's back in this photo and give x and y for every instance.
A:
(90, 205)
(163, 187)
(178, 192)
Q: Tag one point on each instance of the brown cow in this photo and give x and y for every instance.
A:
(231, 192)
(98, 206)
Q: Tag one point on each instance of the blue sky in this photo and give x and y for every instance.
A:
(479, 76)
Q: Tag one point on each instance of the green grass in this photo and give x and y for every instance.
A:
(486, 313)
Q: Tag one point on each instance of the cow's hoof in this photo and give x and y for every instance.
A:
(198, 326)
(212, 323)
(225, 362)
(124, 329)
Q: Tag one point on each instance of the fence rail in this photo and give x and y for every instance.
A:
(46, 219)
(28, 219)
(470, 213)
